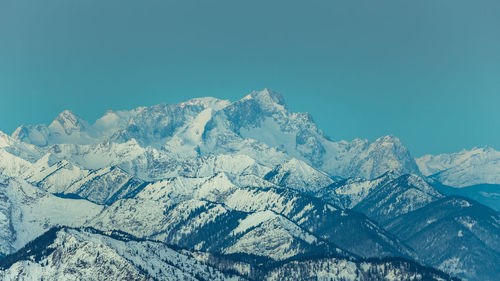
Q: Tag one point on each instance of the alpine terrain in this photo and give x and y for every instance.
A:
(210, 189)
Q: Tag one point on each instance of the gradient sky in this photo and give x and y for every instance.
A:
(427, 71)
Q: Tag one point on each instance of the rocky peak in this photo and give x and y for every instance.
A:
(389, 140)
(69, 123)
(207, 102)
(5, 139)
(268, 100)
(36, 135)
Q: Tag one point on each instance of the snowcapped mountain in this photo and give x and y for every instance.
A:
(61, 177)
(90, 254)
(259, 125)
(383, 198)
(201, 225)
(179, 210)
(454, 234)
(370, 160)
(263, 116)
(12, 165)
(349, 192)
(399, 196)
(464, 168)
(18, 148)
(298, 175)
(247, 189)
(52, 174)
(67, 127)
(26, 212)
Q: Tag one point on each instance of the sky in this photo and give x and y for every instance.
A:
(426, 71)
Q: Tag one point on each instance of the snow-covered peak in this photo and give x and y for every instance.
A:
(389, 140)
(268, 99)
(5, 140)
(52, 174)
(389, 143)
(8, 141)
(68, 122)
(266, 96)
(487, 149)
(349, 192)
(464, 168)
(298, 175)
(37, 135)
(208, 102)
(18, 148)
(97, 156)
(418, 182)
(65, 253)
(396, 197)
(259, 125)
(391, 174)
(297, 165)
(26, 212)
(385, 154)
(430, 164)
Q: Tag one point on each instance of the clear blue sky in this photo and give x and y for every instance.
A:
(427, 71)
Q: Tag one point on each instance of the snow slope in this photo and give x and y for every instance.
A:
(27, 212)
(90, 254)
(454, 234)
(87, 254)
(298, 175)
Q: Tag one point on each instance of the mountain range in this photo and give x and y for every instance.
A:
(210, 189)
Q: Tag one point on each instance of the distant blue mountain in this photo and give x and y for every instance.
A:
(487, 194)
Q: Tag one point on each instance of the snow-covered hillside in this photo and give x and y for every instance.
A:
(90, 254)
(298, 175)
(87, 254)
(206, 213)
(454, 234)
(26, 212)
(397, 197)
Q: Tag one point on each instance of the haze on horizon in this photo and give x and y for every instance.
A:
(425, 71)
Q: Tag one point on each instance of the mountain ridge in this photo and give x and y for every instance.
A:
(105, 250)
(260, 124)
(240, 178)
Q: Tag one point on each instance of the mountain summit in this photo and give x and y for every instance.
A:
(68, 123)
